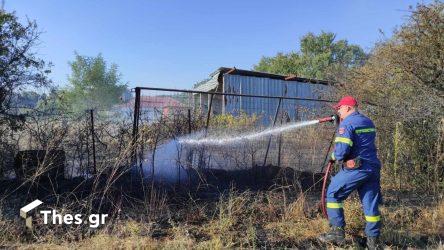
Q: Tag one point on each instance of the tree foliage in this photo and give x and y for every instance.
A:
(20, 68)
(319, 57)
(404, 79)
(92, 85)
(419, 46)
(405, 74)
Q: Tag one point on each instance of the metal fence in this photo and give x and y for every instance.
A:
(91, 142)
(143, 137)
(163, 117)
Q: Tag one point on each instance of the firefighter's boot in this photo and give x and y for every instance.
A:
(373, 243)
(336, 236)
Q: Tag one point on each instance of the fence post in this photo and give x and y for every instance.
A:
(91, 111)
(88, 154)
(274, 123)
(135, 123)
(207, 124)
(209, 113)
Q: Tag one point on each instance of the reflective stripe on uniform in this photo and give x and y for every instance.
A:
(335, 205)
(365, 130)
(373, 218)
(333, 156)
(344, 140)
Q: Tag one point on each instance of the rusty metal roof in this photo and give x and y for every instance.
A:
(234, 71)
(216, 78)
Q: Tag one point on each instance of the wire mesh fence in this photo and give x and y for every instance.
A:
(89, 141)
(145, 137)
(232, 135)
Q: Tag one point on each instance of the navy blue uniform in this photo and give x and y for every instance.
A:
(355, 140)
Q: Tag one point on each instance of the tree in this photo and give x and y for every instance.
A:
(20, 68)
(319, 57)
(404, 78)
(405, 74)
(419, 46)
(92, 85)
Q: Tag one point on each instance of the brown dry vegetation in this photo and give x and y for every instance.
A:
(243, 220)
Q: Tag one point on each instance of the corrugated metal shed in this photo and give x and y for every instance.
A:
(231, 80)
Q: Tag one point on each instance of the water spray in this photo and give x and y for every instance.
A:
(217, 141)
(200, 139)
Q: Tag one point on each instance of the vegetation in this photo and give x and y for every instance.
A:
(240, 220)
(92, 85)
(20, 68)
(403, 78)
(320, 57)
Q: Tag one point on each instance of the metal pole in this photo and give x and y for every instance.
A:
(87, 148)
(274, 123)
(136, 122)
(207, 124)
(209, 114)
(93, 140)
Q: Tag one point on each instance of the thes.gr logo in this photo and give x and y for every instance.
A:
(26, 210)
(53, 217)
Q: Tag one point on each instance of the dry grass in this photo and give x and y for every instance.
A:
(296, 225)
(242, 220)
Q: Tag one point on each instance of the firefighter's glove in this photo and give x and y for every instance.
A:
(332, 157)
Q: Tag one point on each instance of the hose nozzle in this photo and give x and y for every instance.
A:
(333, 118)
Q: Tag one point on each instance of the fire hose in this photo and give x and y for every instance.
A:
(328, 168)
(324, 188)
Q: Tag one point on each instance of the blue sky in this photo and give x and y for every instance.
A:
(174, 44)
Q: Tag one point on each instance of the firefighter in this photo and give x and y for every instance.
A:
(355, 152)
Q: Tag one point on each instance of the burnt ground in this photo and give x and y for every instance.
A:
(208, 188)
